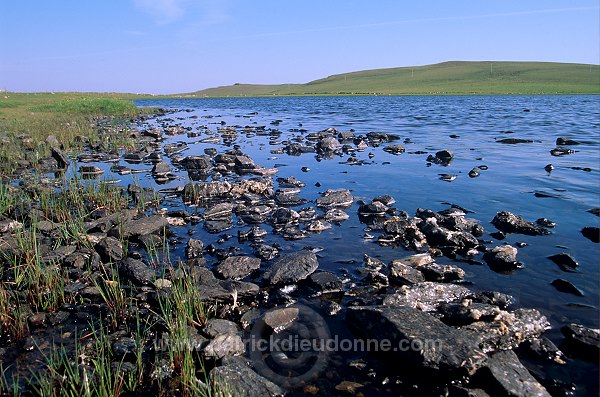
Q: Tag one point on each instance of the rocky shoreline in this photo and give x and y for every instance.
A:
(113, 258)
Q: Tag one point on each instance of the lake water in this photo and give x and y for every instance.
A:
(469, 126)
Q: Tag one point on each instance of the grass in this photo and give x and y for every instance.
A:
(28, 119)
(443, 78)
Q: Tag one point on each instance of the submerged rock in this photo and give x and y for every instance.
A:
(335, 199)
(431, 344)
(582, 341)
(564, 261)
(566, 287)
(591, 233)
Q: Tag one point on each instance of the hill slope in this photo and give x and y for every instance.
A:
(456, 77)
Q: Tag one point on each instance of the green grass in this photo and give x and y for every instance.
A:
(455, 77)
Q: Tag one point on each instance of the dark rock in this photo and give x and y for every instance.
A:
(90, 170)
(561, 151)
(566, 142)
(224, 345)
(548, 168)
(194, 248)
(394, 149)
(452, 353)
(564, 261)
(291, 268)
(284, 216)
(493, 298)
(325, 282)
(137, 271)
(566, 287)
(427, 296)
(266, 252)
(335, 199)
(595, 211)
(502, 258)
(591, 233)
(237, 267)
(545, 222)
(438, 273)
(512, 141)
(511, 223)
(375, 208)
(464, 313)
(216, 326)
(139, 227)
(504, 375)
(61, 158)
(442, 237)
(582, 341)
(124, 347)
(318, 226)
(336, 215)
(37, 320)
(242, 381)
(110, 250)
(196, 163)
(443, 157)
(474, 173)
(508, 330)
(542, 348)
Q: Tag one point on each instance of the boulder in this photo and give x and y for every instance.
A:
(291, 268)
(510, 223)
(237, 267)
(137, 271)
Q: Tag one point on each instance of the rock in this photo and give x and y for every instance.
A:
(591, 233)
(416, 260)
(427, 296)
(224, 345)
(291, 268)
(502, 258)
(218, 211)
(564, 261)
(566, 287)
(137, 271)
(336, 215)
(194, 248)
(508, 330)
(545, 222)
(443, 157)
(561, 151)
(512, 141)
(493, 298)
(401, 274)
(279, 319)
(237, 267)
(505, 375)
(266, 252)
(548, 168)
(284, 216)
(324, 282)
(216, 326)
(510, 223)
(37, 320)
(242, 381)
(432, 345)
(139, 227)
(196, 163)
(335, 199)
(474, 173)
(318, 226)
(394, 149)
(161, 168)
(90, 170)
(123, 347)
(440, 236)
(61, 158)
(566, 142)
(110, 250)
(194, 192)
(595, 211)
(466, 312)
(438, 273)
(375, 208)
(582, 341)
(328, 145)
(542, 348)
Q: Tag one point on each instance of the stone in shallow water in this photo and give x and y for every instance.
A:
(504, 375)
(510, 223)
(427, 296)
(224, 345)
(441, 348)
(242, 381)
(237, 267)
(216, 326)
(582, 341)
(137, 271)
(139, 227)
(335, 199)
(291, 268)
(502, 258)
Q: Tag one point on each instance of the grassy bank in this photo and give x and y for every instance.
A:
(27, 120)
(439, 79)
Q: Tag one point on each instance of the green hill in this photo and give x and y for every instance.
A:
(456, 77)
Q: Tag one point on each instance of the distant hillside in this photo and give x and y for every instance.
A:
(456, 77)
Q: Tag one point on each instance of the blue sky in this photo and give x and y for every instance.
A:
(172, 46)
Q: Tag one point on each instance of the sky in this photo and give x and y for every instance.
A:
(176, 46)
